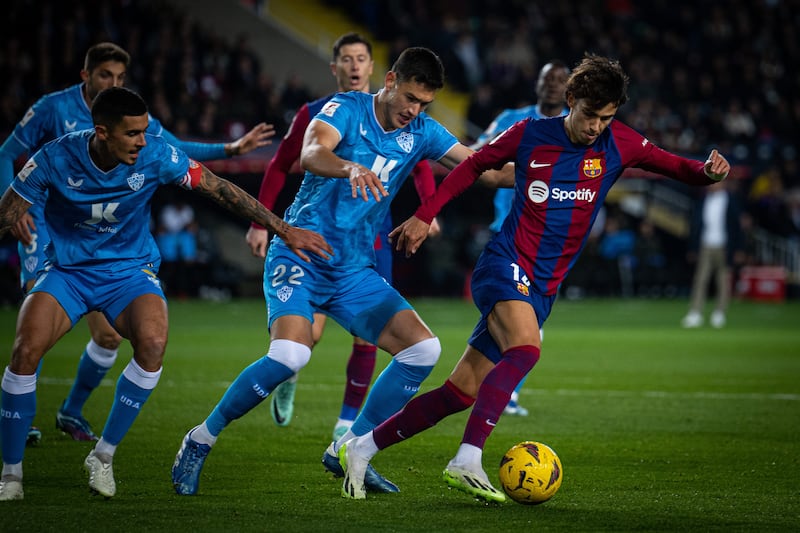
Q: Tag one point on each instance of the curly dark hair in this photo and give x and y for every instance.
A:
(600, 81)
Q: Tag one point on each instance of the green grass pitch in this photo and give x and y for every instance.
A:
(658, 429)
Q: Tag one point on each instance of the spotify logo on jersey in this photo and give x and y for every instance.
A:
(538, 191)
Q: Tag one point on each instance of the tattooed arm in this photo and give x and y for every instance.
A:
(236, 200)
(12, 208)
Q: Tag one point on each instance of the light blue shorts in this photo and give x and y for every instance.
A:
(494, 280)
(80, 291)
(362, 302)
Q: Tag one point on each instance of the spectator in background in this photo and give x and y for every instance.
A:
(616, 252)
(176, 237)
(650, 262)
(715, 245)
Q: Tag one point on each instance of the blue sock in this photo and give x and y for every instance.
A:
(348, 412)
(17, 415)
(396, 385)
(249, 389)
(128, 401)
(89, 376)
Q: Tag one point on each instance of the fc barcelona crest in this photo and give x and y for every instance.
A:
(135, 181)
(592, 167)
(406, 141)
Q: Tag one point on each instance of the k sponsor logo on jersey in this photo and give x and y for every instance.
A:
(592, 167)
(329, 109)
(406, 141)
(135, 181)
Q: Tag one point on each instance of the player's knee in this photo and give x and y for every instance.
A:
(291, 354)
(24, 358)
(149, 349)
(423, 353)
(105, 357)
(107, 339)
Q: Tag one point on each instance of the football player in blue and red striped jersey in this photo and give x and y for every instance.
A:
(564, 168)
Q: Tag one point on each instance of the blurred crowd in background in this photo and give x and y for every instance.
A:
(704, 74)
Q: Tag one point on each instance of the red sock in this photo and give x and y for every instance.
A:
(495, 391)
(421, 413)
(359, 375)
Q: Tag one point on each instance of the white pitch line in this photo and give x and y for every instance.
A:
(602, 393)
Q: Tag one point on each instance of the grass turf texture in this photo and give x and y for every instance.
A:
(658, 428)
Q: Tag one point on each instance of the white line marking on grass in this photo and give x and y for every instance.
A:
(778, 396)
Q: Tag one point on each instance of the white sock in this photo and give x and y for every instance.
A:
(202, 435)
(104, 449)
(468, 455)
(14, 470)
(365, 446)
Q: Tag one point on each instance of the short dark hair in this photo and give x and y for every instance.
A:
(102, 52)
(599, 80)
(420, 65)
(350, 38)
(111, 105)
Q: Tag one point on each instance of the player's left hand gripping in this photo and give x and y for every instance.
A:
(298, 239)
(363, 180)
(717, 167)
(409, 235)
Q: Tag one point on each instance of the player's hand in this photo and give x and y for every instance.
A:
(409, 235)
(256, 138)
(298, 239)
(717, 167)
(363, 181)
(23, 230)
(256, 239)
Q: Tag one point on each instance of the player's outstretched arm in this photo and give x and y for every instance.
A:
(13, 207)
(259, 136)
(236, 200)
(409, 235)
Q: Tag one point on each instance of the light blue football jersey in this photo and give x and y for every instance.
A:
(57, 114)
(326, 205)
(96, 218)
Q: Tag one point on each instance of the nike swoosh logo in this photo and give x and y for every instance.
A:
(490, 423)
(355, 383)
(362, 129)
(534, 164)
